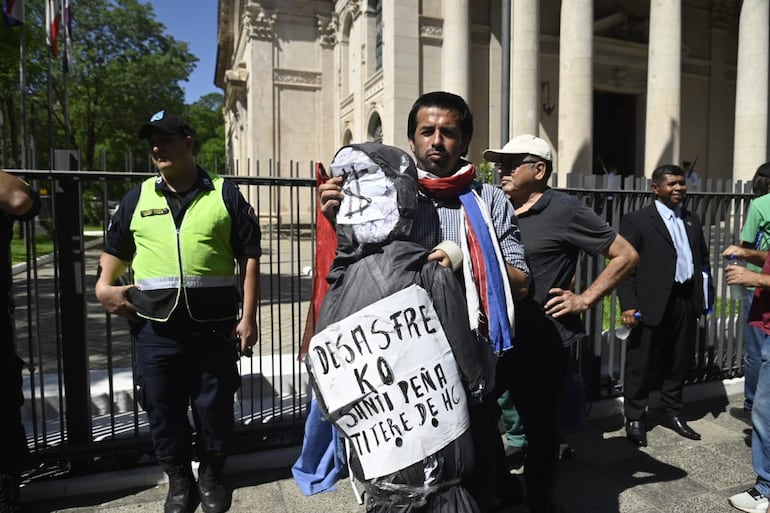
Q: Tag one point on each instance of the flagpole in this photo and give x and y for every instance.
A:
(50, 115)
(23, 86)
(49, 20)
(65, 68)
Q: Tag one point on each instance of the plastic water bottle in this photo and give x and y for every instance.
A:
(622, 332)
(737, 291)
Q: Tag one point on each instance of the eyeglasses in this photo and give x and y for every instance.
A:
(512, 165)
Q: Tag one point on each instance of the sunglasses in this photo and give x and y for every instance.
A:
(512, 165)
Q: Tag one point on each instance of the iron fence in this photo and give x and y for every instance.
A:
(79, 384)
(719, 345)
(80, 405)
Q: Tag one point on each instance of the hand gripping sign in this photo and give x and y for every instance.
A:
(386, 376)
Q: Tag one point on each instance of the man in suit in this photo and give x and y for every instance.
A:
(664, 295)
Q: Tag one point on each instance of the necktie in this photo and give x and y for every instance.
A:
(683, 252)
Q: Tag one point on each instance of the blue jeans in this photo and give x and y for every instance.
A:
(760, 419)
(752, 339)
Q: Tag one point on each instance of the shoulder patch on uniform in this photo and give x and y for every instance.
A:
(154, 212)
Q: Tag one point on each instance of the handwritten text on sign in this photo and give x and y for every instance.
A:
(389, 379)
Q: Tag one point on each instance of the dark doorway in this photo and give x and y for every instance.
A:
(614, 133)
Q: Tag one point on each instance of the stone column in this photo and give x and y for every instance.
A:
(751, 89)
(401, 54)
(456, 48)
(576, 101)
(719, 150)
(262, 124)
(525, 68)
(664, 78)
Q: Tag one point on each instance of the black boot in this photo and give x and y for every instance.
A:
(9, 494)
(215, 498)
(182, 494)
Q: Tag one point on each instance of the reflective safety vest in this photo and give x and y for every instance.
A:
(195, 259)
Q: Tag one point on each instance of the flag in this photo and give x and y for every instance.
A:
(67, 27)
(13, 12)
(52, 22)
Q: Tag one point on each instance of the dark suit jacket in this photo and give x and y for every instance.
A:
(649, 285)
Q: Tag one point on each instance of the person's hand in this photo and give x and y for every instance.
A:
(733, 251)
(114, 299)
(739, 275)
(564, 302)
(330, 195)
(440, 257)
(629, 318)
(246, 332)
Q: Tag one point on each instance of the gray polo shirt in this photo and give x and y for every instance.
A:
(554, 231)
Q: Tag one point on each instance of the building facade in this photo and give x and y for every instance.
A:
(614, 85)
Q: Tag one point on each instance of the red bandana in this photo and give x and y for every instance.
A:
(450, 186)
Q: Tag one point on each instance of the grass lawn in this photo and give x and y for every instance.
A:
(19, 246)
(44, 243)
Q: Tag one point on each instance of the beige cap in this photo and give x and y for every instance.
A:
(525, 144)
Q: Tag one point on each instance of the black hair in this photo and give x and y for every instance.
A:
(442, 100)
(667, 169)
(760, 184)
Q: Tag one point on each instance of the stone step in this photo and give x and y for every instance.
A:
(264, 378)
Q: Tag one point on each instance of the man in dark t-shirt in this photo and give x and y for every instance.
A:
(555, 228)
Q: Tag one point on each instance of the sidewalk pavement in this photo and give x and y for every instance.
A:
(606, 474)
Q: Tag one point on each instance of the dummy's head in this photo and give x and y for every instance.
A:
(380, 192)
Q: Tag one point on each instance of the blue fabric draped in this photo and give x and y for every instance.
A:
(499, 327)
(322, 460)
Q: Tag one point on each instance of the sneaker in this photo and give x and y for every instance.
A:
(750, 501)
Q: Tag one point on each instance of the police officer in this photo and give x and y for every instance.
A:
(183, 232)
(17, 201)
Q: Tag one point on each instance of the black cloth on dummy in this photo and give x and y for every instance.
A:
(363, 274)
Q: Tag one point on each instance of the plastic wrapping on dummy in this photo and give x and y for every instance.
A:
(433, 484)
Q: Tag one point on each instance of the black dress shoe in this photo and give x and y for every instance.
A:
(636, 432)
(680, 427)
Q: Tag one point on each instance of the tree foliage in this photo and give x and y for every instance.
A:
(124, 68)
(205, 116)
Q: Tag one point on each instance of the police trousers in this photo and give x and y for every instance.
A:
(184, 364)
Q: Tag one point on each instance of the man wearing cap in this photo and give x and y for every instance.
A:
(555, 228)
(183, 233)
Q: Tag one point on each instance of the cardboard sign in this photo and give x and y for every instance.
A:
(390, 382)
